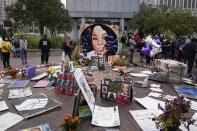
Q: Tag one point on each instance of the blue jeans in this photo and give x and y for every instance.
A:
(23, 55)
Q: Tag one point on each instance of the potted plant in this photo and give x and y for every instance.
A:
(174, 114)
(70, 123)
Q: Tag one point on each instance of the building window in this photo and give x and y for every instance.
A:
(185, 4)
(189, 4)
(169, 3)
(193, 4)
(161, 2)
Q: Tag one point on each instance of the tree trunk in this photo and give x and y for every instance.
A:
(41, 30)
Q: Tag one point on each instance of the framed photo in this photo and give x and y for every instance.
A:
(111, 96)
(104, 89)
(126, 89)
(104, 95)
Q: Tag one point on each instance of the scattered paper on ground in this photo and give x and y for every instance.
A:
(169, 97)
(19, 93)
(150, 103)
(3, 106)
(8, 120)
(106, 116)
(154, 94)
(138, 74)
(147, 72)
(144, 119)
(155, 85)
(44, 127)
(42, 84)
(19, 83)
(32, 104)
(39, 77)
(156, 89)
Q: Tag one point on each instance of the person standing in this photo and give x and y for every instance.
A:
(132, 45)
(6, 49)
(45, 46)
(23, 49)
(189, 55)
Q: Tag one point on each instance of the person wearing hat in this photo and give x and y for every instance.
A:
(45, 46)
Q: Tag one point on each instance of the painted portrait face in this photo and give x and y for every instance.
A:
(125, 89)
(98, 39)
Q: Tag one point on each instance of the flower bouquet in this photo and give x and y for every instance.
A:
(174, 114)
(70, 123)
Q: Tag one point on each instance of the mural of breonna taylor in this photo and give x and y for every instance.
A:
(98, 39)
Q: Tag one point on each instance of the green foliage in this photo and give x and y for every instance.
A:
(49, 13)
(174, 113)
(56, 42)
(114, 86)
(33, 41)
(2, 31)
(157, 20)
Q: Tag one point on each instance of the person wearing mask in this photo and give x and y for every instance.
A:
(23, 49)
(45, 46)
(6, 49)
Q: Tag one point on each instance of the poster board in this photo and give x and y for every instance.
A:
(51, 104)
(3, 106)
(98, 39)
(106, 116)
(41, 84)
(43, 127)
(8, 120)
(19, 93)
(39, 77)
(19, 83)
(85, 88)
(150, 103)
(144, 119)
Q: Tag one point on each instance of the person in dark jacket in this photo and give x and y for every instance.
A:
(45, 46)
(189, 54)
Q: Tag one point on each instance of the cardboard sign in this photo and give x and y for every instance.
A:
(85, 88)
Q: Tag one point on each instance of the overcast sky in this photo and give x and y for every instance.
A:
(64, 2)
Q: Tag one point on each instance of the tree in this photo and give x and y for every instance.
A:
(49, 13)
(155, 20)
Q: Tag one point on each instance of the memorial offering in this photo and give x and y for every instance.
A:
(3, 106)
(120, 92)
(41, 84)
(19, 83)
(35, 105)
(19, 93)
(106, 116)
(44, 127)
(144, 119)
(150, 103)
(188, 92)
(101, 116)
(8, 120)
(39, 77)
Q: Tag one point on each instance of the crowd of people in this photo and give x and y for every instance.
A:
(182, 49)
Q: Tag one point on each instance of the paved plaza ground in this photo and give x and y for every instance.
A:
(54, 117)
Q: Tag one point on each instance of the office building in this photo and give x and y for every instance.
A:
(117, 12)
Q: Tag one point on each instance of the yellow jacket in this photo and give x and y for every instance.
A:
(5, 46)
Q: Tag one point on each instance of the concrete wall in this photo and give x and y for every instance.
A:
(103, 8)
